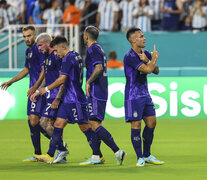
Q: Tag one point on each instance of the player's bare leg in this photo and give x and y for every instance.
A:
(148, 135)
(47, 125)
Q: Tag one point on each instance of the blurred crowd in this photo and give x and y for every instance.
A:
(108, 15)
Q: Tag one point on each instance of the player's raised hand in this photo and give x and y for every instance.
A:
(5, 85)
(87, 89)
(43, 91)
(155, 54)
(31, 91)
(34, 96)
(143, 57)
(55, 103)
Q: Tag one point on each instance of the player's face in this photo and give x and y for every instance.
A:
(43, 47)
(58, 50)
(29, 37)
(139, 39)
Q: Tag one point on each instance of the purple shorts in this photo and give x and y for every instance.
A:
(48, 112)
(36, 107)
(73, 112)
(138, 109)
(96, 109)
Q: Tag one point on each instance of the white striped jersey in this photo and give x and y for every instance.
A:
(80, 4)
(198, 21)
(53, 17)
(11, 13)
(144, 22)
(127, 13)
(155, 4)
(3, 16)
(106, 10)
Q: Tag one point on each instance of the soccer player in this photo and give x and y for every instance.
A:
(73, 108)
(33, 67)
(138, 103)
(97, 92)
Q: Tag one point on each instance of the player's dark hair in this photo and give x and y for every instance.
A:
(72, 2)
(131, 31)
(29, 27)
(58, 40)
(112, 55)
(92, 31)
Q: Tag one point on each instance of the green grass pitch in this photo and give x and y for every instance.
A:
(182, 144)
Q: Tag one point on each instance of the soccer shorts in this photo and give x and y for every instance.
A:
(73, 112)
(96, 109)
(48, 112)
(37, 107)
(138, 109)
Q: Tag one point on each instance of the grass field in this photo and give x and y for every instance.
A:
(181, 144)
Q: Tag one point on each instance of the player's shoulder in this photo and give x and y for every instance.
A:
(130, 54)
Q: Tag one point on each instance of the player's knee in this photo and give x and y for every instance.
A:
(60, 123)
(33, 122)
(136, 124)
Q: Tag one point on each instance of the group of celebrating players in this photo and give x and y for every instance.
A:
(56, 97)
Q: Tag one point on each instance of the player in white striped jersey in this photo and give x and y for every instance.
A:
(143, 15)
(107, 15)
(53, 16)
(127, 7)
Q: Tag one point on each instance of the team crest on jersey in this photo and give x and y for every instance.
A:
(29, 55)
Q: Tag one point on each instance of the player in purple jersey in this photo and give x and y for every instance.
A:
(33, 67)
(73, 108)
(138, 103)
(52, 67)
(97, 92)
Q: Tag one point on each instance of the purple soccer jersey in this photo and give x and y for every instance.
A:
(52, 66)
(136, 81)
(72, 66)
(34, 61)
(99, 88)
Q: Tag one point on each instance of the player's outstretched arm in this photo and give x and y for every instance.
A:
(37, 84)
(60, 80)
(56, 101)
(18, 77)
(97, 71)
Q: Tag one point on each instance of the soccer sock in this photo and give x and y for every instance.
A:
(56, 141)
(147, 135)
(137, 142)
(35, 136)
(43, 131)
(93, 141)
(107, 138)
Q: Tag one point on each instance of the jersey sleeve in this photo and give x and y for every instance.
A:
(67, 66)
(115, 7)
(133, 61)
(148, 54)
(96, 56)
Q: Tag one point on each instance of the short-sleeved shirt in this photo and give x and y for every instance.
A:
(136, 81)
(52, 66)
(99, 87)
(34, 61)
(106, 10)
(72, 66)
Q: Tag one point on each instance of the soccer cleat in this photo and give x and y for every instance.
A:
(102, 160)
(31, 159)
(60, 156)
(91, 161)
(63, 161)
(44, 158)
(153, 160)
(120, 157)
(141, 162)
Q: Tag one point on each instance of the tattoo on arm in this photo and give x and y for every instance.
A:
(97, 71)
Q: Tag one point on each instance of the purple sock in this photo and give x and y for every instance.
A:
(43, 131)
(35, 136)
(137, 142)
(93, 141)
(56, 141)
(106, 137)
(147, 135)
